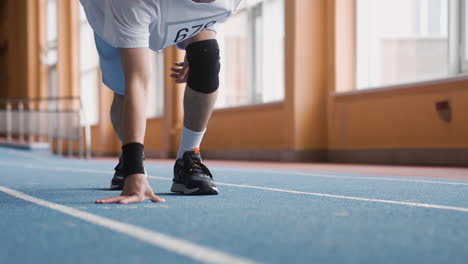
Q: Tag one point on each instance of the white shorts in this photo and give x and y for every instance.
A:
(156, 24)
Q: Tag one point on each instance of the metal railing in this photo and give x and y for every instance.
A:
(56, 119)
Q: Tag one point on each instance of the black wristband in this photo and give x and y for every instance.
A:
(132, 159)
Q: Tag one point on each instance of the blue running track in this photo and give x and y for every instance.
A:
(262, 215)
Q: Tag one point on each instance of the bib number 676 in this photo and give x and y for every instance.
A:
(183, 33)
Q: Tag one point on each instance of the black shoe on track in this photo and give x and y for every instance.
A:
(191, 176)
(117, 182)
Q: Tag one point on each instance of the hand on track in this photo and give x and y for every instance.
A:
(136, 190)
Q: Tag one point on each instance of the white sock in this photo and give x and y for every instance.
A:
(189, 141)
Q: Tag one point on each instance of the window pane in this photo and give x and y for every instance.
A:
(51, 20)
(155, 103)
(52, 52)
(89, 73)
(252, 54)
(89, 58)
(411, 48)
(89, 93)
(272, 49)
(234, 43)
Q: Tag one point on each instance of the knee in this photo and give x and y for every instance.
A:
(204, 66)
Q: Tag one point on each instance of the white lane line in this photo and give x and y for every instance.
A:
(318, 175)
(176, 245)
(410, 204)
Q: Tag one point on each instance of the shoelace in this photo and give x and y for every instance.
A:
(196, 167)
(199, 168)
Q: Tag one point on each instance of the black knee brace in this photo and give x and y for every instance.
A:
(204, 66)
(132, 159)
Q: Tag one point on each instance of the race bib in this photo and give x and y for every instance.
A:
(179, 31)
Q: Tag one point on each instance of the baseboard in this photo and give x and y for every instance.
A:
(434, 157)
(104, 154)
(157, 154)
(151, 154)
(40, 146)
(267, 155)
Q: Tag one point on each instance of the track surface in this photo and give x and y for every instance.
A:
(262, 215)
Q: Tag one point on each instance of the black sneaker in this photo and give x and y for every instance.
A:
(191, 176)
(117, 182)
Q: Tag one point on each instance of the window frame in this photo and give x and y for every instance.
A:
(454, 25)
(463, 4)
(255, 12)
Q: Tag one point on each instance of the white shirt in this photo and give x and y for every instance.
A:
(156, 24)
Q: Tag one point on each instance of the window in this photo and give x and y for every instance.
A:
(403, 41)
(155, 103)
(465, 34)
(89, 72)
(252, 54)
(51, 50)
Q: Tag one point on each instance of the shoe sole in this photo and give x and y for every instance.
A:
(206, 190)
